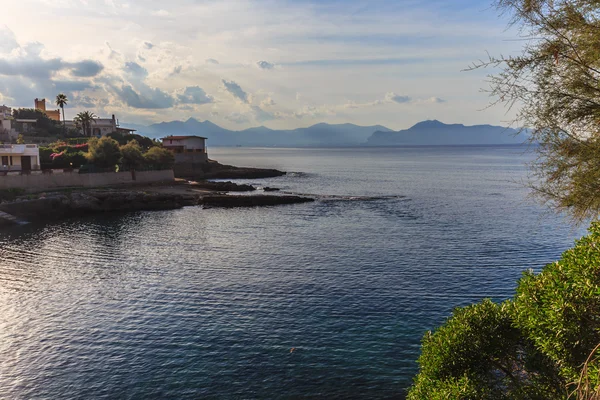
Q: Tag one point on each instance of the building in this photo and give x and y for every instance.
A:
(19, 157)
(100, 127)
(185, 144)
(190, 154)
(41, 105)
(6, 128)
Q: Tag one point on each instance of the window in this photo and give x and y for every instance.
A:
(4, 160)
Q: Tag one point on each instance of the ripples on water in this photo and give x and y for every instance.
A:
(199, 303)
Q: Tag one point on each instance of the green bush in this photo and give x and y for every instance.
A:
(104, 152)
(160, 157)
(479, 354)
(541, 345)
(131, 155)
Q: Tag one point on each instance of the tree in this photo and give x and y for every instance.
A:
(61, 101)
(543, 344)
(85, 118)
(480, 354)
(20, 139)
(160, 157)
(555, 84)
(104, 152)
(131, 155)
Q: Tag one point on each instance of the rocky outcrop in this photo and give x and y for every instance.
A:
(229, 201)
(59, 205)
(223, 186)
(214, 170)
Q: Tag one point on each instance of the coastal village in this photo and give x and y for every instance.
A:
(107, 167)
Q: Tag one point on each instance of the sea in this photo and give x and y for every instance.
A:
(324, 300)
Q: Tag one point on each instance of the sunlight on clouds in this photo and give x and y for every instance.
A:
(321, 61)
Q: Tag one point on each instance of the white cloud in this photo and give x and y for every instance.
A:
(236, 91)
(265, 65)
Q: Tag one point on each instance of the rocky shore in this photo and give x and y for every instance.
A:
(215, 170)
(63, 204)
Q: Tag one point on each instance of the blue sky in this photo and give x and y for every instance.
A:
(282, 64)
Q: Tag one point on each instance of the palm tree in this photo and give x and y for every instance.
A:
(61, 101)
(85, 118)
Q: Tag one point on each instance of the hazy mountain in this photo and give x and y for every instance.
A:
(316, 135)
(437, 133)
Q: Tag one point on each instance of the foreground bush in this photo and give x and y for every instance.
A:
(541, 345)
(159, 156)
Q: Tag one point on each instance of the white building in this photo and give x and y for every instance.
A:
(100, 127)
(19, 157)
(6, 125)
(185, 144)
(190, 153)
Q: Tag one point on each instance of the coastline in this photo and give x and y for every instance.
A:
(56, 204)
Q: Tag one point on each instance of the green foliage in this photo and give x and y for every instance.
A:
(20, 139)
(104, 152)
(554, 82)
(131, 155)
(159, 156)
(542, 345)
(144, 142)
(85, 120)
(44, 126)
(480, 354)
(560, 307)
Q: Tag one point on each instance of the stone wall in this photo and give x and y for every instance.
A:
(59, 179)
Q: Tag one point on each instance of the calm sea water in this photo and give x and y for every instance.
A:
(208, 303)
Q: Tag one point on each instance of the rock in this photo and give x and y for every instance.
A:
(251, 201)
(270, 189)
(223, 186)
(214, 170)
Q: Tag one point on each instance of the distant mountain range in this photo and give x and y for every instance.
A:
(437, 133)
(326, 135)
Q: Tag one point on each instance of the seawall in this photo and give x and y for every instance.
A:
(59, 179)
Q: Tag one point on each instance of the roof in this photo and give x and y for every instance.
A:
(183, 137)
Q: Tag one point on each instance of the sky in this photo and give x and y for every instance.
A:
(244, 63)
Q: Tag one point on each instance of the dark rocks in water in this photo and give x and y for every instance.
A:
(224, 186)
(251, 201)
(214, 170)
(58, 205)
(270, 189)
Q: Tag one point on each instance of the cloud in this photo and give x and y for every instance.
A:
(148, 45)
(238, 118)
(393, 97)
(194, 95)
(144, 97)
(177, 70)
(161, 13)
(135, 70)
(265, 65)
(236, 91)
(211, 61)
(268, 102)
(86, 68)
(433, 100)
(262, 115)
(72, 86)
(8, 40)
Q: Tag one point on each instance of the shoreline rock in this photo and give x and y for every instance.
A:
(223, 186)
(229, 201)
(59, 205)
(215, 170)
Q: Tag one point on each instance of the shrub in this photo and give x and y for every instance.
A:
(545, 341)
(479, 354)
(159, 156)
(104, 152)
(131, 155)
